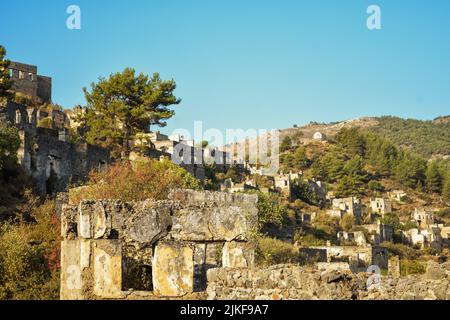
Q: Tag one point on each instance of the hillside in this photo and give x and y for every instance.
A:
(428, 138)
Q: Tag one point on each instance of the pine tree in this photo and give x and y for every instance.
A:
(286, 144)
(352, 141)
(433, 178)
(446, 188)
(301, 159)
(5, 79)
(410, 170)
(126, 104)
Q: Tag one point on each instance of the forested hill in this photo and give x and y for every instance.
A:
(428, 138)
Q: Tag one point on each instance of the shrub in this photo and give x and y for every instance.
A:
(271, 251)
(29, 257)
(270, 209)
(149, 179)
(401, 250)
(310, 240)
(375, 186)
(9, 143)
(45, 123)
(347, 222)
(328, 225)
(304, 192)
(408, 267)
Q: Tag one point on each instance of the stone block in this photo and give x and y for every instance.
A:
(107, 269)
(93, 222)
(238, 255)
(213, 216)
(394, 266)
(69, 220)
(434, 271)
(150, 222)
(173, 270)
(199, 266)
(71, 273)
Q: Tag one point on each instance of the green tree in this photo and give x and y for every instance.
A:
(410, 171)
(446, 188)
(381, 154)
(236, 173)
(287, 161)
(286, 144)
(392, 220)
(304, 192)
(9, 143)
(126, 104)
(5, 79)
(318, 170)
(352, 141)
(270, 209)
(349, 186)
(333, 162)
(375, 186)
(433, 178)
(301, 160)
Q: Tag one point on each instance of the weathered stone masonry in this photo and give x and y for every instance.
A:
(290, 282)
(109, 246)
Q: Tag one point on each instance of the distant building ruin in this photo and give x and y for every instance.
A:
(381, 206)
(27, 81)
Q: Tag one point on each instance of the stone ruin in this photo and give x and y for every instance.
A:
(152, 249)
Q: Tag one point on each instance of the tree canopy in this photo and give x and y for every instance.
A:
(126, 104)
(5, 79)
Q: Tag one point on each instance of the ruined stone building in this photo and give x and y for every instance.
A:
(117, 250)
(430, 237)
(357, 237)
(379, 232)
(319, 136)
(423, 217)
(45, 152)
(358, 258)
(229, 186)
(27, 81)
(283, 183)
(398, 195)
(340, 207)
(381, 206)
(183, 152)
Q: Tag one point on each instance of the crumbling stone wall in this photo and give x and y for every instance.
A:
(46, 154)
(112, 249)
(290, 282)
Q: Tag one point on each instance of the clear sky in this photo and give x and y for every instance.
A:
(247, 64)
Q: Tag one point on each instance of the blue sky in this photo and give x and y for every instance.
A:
(247, 64)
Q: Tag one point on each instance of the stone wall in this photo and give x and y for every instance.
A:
(53, 162)
(113, 249)
(289, 282)
(36, 86)
(358, 257)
